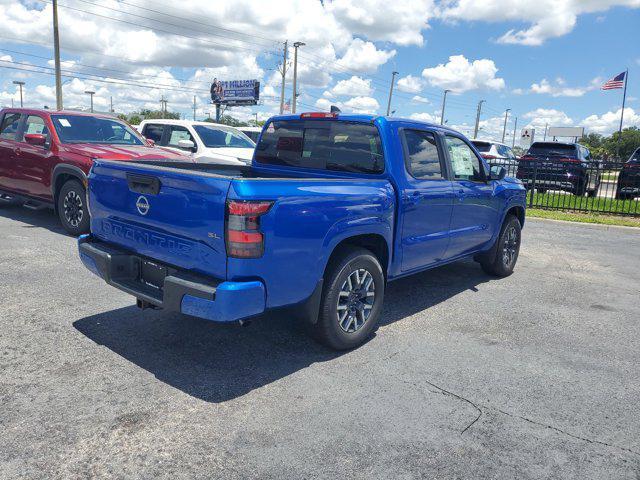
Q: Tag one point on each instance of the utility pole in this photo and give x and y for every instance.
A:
(283, 72)
(444, 102)
(504, 128)
(111, 104)
(393, 79)
(515, 127)
(546, 125)
(163, 104)
(20, 84)
(91, 93)
(56, 53)
(194, 108)
(475, 130)
(295, 74)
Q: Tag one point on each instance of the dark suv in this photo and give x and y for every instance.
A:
(629, 178)
(560, 166)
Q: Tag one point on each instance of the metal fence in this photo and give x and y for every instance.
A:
(563, 184)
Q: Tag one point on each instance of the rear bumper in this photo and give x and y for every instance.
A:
(172, 289)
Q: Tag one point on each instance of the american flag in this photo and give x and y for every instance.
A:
(615, 82)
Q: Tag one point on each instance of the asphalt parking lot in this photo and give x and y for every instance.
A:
(533, 376)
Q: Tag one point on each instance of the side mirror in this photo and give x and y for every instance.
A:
(497, 173)
(151, 143)
(186, 144)
(35, 139)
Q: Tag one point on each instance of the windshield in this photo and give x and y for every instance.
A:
(322, 144)
(635, 157)
(483, 147)
(220, 137)
(86, 129)
(553, 149)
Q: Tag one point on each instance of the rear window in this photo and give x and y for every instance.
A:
(482, 147)
(635, 157)
(551, 149)
(322, 144)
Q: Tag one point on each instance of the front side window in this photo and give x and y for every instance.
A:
(179, 133)
(423, 159)
(87, 129)
(465, 164)
(35, 124)
(322, 144)
(153, 132)
(9, 126)
(215, 136)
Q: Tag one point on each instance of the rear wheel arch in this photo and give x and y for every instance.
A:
(373, 242)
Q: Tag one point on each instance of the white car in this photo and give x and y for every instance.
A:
(252, 132)
(207, 142)
(495, 153)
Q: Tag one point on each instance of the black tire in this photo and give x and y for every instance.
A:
(501, 259)
(342, 331)
(592, 193)
(541, 191)
(581, 188)
(72, 208)
(623, 196)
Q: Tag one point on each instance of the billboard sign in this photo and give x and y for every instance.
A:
(576, 132)
(235, 92)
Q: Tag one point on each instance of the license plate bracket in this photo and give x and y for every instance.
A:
(152, 274)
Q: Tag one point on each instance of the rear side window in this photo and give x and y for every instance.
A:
(9, 126)
(423, 159)
(322, 144)
(179, 133)
(153, 132)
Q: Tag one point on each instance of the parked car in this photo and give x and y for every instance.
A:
(629, 178)
(496, 153)
(45, 156)
(560, 166)
(206, 142)
(332, 207)
(252, 132)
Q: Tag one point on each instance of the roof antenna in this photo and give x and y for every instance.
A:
(335, 109)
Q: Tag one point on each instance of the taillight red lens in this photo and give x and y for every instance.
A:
(488, 157)
(244, 239)
(318, 115)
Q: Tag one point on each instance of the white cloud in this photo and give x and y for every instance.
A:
(419, 99)
(540, 117)
(460, 75)
(410, 84)
(560, 89)
(425, 117)
(547, 18)
(363, 56)
(399, 21)
(609, 122)
(361, 104)
(352, 87)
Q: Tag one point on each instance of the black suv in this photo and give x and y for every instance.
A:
(560, 166)
(629, 178)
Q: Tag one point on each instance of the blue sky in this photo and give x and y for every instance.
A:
(502, 51)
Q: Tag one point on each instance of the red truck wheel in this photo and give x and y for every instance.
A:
(72, 208)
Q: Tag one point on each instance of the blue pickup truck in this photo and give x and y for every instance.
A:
(332, 207)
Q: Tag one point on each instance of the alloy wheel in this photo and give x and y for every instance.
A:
(355, 300)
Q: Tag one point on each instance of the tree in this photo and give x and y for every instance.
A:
(629, 141)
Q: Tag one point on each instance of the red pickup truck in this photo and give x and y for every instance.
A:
(45, 157)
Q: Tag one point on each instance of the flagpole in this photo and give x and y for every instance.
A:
(624, 98)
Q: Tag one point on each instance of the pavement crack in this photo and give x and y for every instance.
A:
(564, 432)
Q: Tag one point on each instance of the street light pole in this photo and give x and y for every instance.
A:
(475, 130)
(295, 74)
(393, 79)
(56, 53)
(91, 93)
(444, 102)
(515, 127)
(20, 84)
(194, 108)
(284, 75)
(504, 128)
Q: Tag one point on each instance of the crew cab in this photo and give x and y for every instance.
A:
(332, 208)
(206, 142)
(560, 166)
(45, 157)
(496, 153)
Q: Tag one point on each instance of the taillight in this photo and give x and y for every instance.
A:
(244, 238)
(488, 157)
(319, 115)
(527, 157)
(569, 160)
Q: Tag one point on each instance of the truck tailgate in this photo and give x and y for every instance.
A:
(171, 215)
